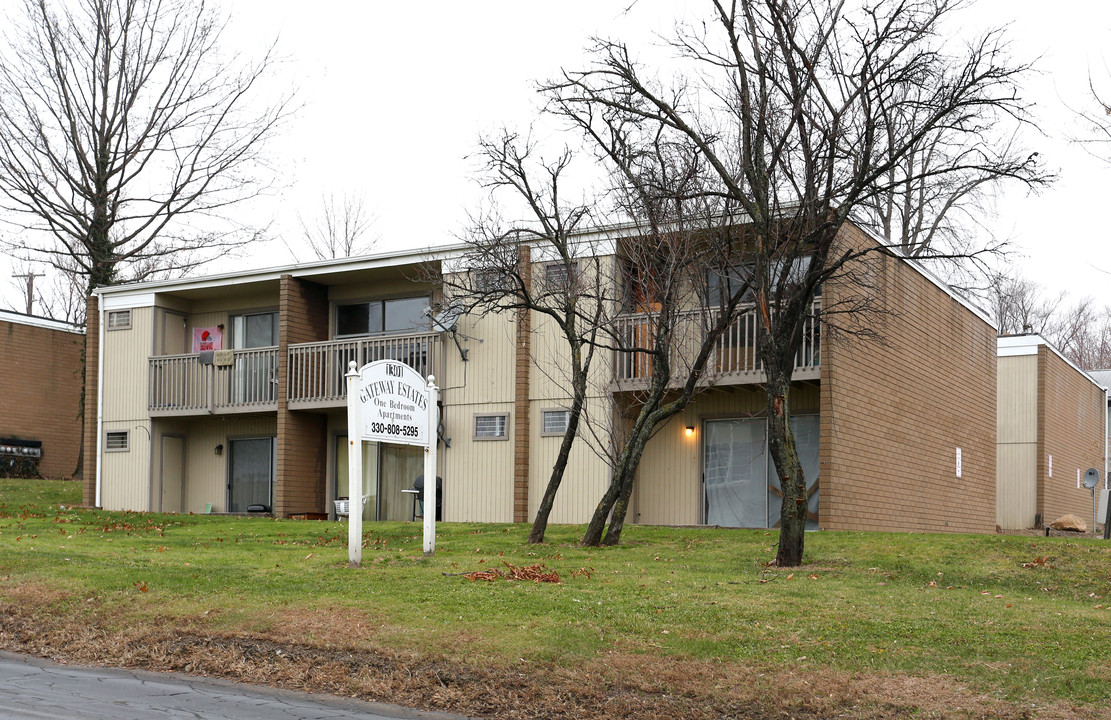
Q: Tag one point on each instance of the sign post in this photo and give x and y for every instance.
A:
(388, 401)
(431, 486)
(354, 469)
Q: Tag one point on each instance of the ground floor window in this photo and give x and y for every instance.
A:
(740, 485)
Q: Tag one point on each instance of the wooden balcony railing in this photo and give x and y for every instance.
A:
(316, 370)
(182, 385)
(734, 356)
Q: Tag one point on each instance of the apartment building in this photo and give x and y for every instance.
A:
(1052, 427)
(40, 428)
(226, 394)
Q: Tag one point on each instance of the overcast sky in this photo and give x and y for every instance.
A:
(395, 95)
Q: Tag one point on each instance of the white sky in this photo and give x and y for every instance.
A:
(397, 93)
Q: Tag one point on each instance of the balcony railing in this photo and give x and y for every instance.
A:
(316, 370)
(734, 357)
(183, 385)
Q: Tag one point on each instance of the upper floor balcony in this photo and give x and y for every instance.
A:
(734, 360)
(221, 382)
(317, 370)
(246, 381)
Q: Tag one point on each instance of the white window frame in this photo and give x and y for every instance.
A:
(505, 426)
(126, 434)
(544, 432)
(124, 325)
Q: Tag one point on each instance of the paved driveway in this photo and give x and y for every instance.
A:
(31, 688)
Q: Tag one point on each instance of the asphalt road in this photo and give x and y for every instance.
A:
(31, 688)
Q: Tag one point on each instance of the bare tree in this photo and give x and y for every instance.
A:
(120, 120)
(1020, 306)
(798, 112)
(572, 290)
(1080, 330)
(339, 229)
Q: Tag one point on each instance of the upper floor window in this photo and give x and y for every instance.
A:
(119, 319)
(254, 330)
(560, 276)
(376, 316)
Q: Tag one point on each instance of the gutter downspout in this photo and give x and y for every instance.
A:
(99, 398)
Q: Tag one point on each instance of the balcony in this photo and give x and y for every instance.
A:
(183, 385)
(734, 360)
(316, 370)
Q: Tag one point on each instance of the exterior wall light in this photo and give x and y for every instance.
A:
(220, 449)
(690, 430)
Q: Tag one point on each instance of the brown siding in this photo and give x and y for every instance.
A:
(895, 409)
(1071, 429)
(41, 387)
(302, 436)
(92, 366)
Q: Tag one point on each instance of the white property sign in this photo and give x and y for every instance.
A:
(394, 400)
(388, 401)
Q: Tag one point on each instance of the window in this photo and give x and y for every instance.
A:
(117, 441)
(491, 427)
(369, 318)
(557, 276)
(723, 283)
(555, 422)
(119, 319)
(255, 330)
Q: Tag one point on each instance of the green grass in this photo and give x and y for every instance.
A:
(959, 605)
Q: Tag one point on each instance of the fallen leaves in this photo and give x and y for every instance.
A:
(535, 573)
(1039, 562)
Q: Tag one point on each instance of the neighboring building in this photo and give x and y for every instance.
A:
(40, 426)
(1103, 378)
(1052, 428)
(898, 434)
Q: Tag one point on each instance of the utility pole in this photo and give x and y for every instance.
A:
(30, 287)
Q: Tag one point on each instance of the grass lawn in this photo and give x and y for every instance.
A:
(1016, 620)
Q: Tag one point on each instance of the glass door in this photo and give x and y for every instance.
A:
(735, 479)
(255, 374)
(807, 429)
(250, 473)
(370, 476)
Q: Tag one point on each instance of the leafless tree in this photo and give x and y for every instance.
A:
(125, 134)
(1080, 329)
(570, 289)
(1021, 306)
(799, 111)
(338, 230)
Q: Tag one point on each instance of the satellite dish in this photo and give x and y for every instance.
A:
(446, 319)
(1091, 478)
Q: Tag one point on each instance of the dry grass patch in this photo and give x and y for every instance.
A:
(618, 685)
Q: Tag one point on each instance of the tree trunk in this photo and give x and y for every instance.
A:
(792, 483)
(540, 523)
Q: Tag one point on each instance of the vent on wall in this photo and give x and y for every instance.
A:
(119, 319)
(116, 441)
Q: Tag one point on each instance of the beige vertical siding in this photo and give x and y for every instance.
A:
(1016, 490)
(669, 481)
(487, 375)
(125, 476)
(1016, 499)
(587, 474)
(478, 474)
(206, 473)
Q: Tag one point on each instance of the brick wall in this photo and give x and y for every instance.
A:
(521, 414)
(895, 409)
(302, 436)
(92, 360)
(1071, 418)
(41, 387)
